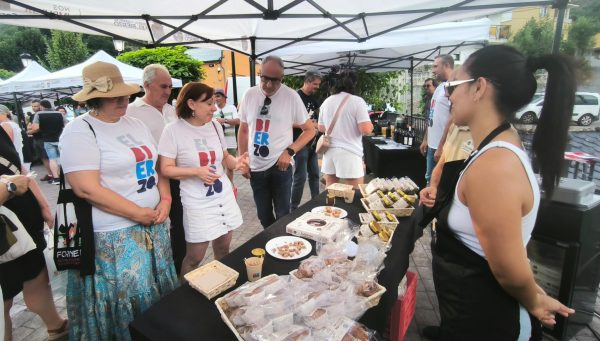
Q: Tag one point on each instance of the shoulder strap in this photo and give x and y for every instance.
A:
(89, 125)
(4, 162)
(337, 115)
(63, 183)
(218, 135)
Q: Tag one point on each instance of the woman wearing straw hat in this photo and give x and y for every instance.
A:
(110, 160)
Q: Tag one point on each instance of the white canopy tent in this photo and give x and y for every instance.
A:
(397, 50)
(252, 27)
(71, 76)
(14, 84)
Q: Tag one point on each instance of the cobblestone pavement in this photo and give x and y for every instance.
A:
(28, 326)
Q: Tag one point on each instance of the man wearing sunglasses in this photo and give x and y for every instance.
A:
(439, 114)
(268, 113)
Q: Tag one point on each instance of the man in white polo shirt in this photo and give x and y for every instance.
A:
(268, 113)
(155, 112)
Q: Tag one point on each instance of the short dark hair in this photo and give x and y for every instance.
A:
(193, 91)
(45, 104)
(345, 81)
(35, 101)
(94, 103)
(512, 75)
(446, 59)
(433, 81)
(60, 107)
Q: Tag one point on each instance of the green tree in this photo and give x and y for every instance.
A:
(5, 74)
(66, 49)
(585, 8)
(96, 43)
(179, 64)
(581, 37)
(17, 40)
(535, 38)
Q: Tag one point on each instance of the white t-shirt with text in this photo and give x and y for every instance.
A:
(269, 135)
(125, 154)
(152, 118)
(345, 133)
(439, 114)
(194, 147)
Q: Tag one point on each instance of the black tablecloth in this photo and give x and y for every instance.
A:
(394, 162)
(185, 314)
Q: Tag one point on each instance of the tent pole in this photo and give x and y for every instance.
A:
(561, 6)
(253, 61)
(234, 79)
(412, 69)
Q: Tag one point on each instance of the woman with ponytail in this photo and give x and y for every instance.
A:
(486, 214)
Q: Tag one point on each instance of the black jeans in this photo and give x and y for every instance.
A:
(271, 189)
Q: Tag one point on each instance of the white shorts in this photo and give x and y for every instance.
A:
(206, 223)
(343, 164)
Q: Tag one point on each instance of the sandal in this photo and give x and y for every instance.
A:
(55, 334)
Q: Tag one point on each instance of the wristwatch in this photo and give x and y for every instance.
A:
(290, 151)
(10, 187)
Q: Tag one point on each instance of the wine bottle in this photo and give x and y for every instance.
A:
(411, 135)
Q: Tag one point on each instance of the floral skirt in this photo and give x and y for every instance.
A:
(134, 269)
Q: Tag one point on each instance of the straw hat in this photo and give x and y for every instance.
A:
(104, 80)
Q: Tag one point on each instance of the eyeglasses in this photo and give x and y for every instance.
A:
(266, 106)
(450, 86)
(267, 79)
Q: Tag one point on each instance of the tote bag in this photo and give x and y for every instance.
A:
(24, 242)
(73, 232)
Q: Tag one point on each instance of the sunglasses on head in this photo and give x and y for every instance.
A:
(450, 86)
(266, 105)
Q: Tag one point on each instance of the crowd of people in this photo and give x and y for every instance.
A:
(159, 179)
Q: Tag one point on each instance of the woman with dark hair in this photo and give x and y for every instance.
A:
(109, 159)
(483, 280)
(193, 150)
(343, 161)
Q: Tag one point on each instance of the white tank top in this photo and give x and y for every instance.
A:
(459, 217)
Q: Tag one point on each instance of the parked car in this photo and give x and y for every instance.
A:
(585, 111)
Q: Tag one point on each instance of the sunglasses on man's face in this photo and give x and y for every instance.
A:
(450, 86)
(266, 105)
(267, 79)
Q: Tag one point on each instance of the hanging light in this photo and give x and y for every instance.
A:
(26, 59)
(119, 45)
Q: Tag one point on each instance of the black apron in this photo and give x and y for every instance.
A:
(473, 305)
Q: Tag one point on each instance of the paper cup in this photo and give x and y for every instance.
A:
(349, 196)
(254, 268)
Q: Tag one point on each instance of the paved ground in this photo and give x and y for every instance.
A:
(28, 326)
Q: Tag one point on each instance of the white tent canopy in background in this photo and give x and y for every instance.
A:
(377, 54)
(253, 27)
(15, 83)
(71, 76)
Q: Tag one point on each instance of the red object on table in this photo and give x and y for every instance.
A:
(404, 309)
(581, 157)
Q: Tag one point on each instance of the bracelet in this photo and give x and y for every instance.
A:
(167, 199)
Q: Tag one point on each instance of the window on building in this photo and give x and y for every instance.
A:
(543, 11)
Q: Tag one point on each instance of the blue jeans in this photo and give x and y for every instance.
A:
(271, 189)
(52, 151)
(430, 163)
(306, 161)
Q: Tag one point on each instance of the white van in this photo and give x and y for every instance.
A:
(585, 111)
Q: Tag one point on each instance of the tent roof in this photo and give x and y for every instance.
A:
(394, 51)
(253, 27)
(32, 71)
(71, 76)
